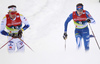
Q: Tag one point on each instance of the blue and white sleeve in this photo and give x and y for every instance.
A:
(90, 17)
(67, 21)
(24, 20)
(2, 27)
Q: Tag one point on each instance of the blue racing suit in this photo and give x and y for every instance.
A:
(81, 27)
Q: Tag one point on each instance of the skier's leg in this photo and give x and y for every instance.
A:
(20, 45)
(11, 45)
(78, 38)
(86, 38)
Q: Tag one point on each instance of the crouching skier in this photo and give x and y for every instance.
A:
(13, 22)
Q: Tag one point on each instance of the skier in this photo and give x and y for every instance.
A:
(81, 19)
(13, 23)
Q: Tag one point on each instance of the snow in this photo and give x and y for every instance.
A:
(46, 18)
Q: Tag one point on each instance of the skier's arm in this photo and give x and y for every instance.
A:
(24, 20)
(2, 27)
(90, 17)
(67, 21)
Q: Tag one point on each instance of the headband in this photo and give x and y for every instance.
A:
(12, 9)
(79, 7)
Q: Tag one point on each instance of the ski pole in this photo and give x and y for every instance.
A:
(65, 44)
(5, 44)
(94, 36)
(26, 44)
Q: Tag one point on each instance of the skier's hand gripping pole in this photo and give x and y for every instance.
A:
(13, 35)
(65, 37)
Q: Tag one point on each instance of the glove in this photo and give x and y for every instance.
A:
(13, 35)
(65, 36)
(20, 33)
(88, 20)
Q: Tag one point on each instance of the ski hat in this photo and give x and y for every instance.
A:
(12, 9)
(79, 7)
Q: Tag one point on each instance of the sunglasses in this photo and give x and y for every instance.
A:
(12, 13)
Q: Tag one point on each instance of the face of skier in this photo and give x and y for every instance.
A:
(12, 14)
(80, 12)
(79, 9)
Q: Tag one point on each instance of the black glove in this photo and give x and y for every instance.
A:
(65, 36)
(88, 20)
(13, 35)
(20, 33)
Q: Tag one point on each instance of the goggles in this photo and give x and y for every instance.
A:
(79, 7)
